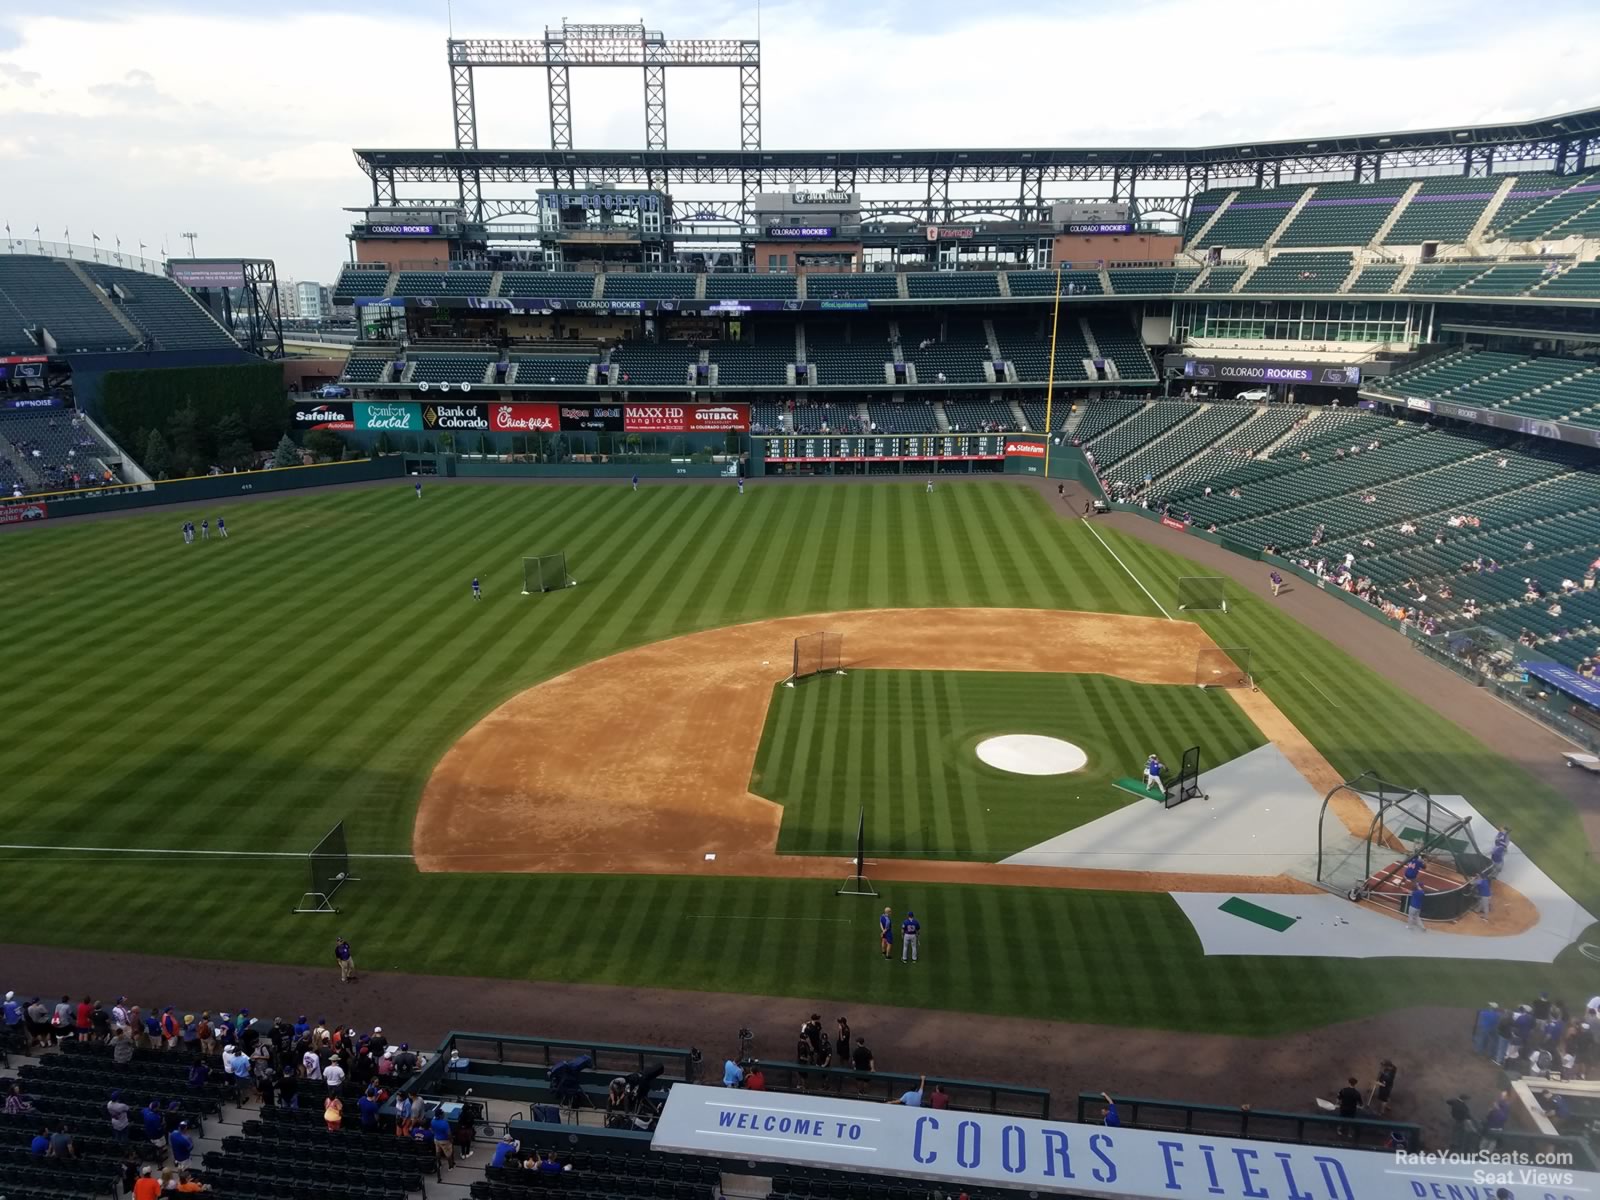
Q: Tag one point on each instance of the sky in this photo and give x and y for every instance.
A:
(144, 119)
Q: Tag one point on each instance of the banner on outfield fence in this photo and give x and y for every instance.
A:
(686, 418)
(524, 418)
(16, 514)
(994, 1150)
(606, 418)
(455, 416)
(1015, 449)
(22, 403)
(334, 414)
(1174, 523)
(400, 417)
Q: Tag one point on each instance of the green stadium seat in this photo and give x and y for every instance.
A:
(1220, 279)
(1541, 205)
(563, 285)
(1300, 272)
(877, 285)
(1250, 220)
(431, 368)
(1043, 283)
(45, 292)
(360, 282)
(952, 285)
(1150, 281)
(625, 286)
(726, 286)
(1581, 282)
(1343, 214)
(1443, 210)
(423, 284)
(1119, 342)
(1376, 278)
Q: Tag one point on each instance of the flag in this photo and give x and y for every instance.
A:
(95, 236)
(36, 231)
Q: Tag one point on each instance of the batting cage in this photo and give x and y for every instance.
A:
(545, 573)
(1369, 829)
(817, 654)
(1202, 593)
(330, 870)
(1223, 666)
(1188, 785)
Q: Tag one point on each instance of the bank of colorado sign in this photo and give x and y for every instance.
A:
(686, 418)
(455, 416)
(993, 1150)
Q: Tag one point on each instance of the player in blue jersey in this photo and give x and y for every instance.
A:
(418, 486)
(741, 485)
(222, 529)
(186, 533)
(1152, 772)
(205, 529)
(886, 934)
(909, 929)
(477, 592)
(636, 482)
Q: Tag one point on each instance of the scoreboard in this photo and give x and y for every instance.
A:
(867, 447)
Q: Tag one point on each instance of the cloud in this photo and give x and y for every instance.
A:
(11, 73)
(136, 89)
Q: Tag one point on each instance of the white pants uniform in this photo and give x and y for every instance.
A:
(1152, 780)
(1414, 919)
(908, 946)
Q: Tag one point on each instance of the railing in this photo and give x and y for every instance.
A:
(96, 252)
(965, 1094)
(1242, 1121)
(611, 1058)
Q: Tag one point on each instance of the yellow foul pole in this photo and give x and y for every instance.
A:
(1050, 383)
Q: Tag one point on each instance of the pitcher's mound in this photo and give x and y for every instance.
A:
(1031, 754)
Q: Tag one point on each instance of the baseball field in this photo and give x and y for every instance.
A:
(326, 661)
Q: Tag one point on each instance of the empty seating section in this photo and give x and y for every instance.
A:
(1043, 283)
(1120, 344)
(614, 1175)
(1508, 279)
(548, 369)
(765, 362)
(1220, 279)
(1548, 387)
(359, 283)
(1249, 221)
(1435, 376)
(365, 368)
(857, 359)
(1025, 344)
(448, 368)
(915, 416)
(1158, 281)
(750, 287)
(1251, 437)
(1033, 411)
(1434, 279)
(1302, 272)
(1524, 375)
(288, 1152)
(168, 313)
(652, 364)
(1182, 443)
(766, 417)
(880, 285)
(1548, 205)
(826, 417)
(1200, 211)
(1579, 282)
(44, 291)
(50, 450)
(968, 417)
(1443, 210)
(1343, 214)
(649, 287)
(935, 285)
(563, 285)
(1376, 278)
(1570, 399)
(958, 356)
(1097, 417)
(443, 283)
(1143, 427)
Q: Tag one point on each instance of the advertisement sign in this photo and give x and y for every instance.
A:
(10, 359)
(1420, 405)
(16, 514)
(940, 233)
(19, 403)
(455, 416)
(799, 231)
(332, 414)
(992, 1150)
(1174, 523)
(524, 418)
(403, 418)
(1565, 678)
(605, 417)
(1016, 449)
(1349, 376)
(1092, 228)
(192, 273)
(403, 230)
(686, 418)
(820, 197)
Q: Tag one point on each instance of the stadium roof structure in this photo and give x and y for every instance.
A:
(1565, 143)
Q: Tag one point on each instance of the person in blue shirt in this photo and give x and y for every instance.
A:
(1414, 909)
(418, 486)
(477, 592)
(636, 483)
(1152, 772)
(443, 1140)
(912, 1097)
(909, 928)
(1484, 889)
(1483, 1031)
(507, 1149)
(182, 1144)
(12, 1015)
(152, 1028)
(886, 933)
(155, 1124)
(1497, 857)
(1502, 836)
(1108, 1115)
(732, 1074)
(205, 529)
(222, 530)
(40, 1146)
(1413, 866)
(301, 1027)
(368, 1106)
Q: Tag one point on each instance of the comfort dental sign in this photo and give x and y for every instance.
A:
(982, 1149)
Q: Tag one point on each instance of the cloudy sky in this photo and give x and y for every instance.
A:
(147, 118)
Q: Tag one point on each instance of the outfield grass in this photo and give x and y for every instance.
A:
(244, 695)
(902, 745)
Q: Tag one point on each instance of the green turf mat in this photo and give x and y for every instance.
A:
(1276, 922)
(1456, 845)
(1137, 787)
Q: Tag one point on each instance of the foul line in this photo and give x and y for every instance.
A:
(1131, 575)
(1320, 692)
(752, 917)
(213, 853)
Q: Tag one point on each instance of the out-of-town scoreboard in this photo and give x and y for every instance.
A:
(885, 447)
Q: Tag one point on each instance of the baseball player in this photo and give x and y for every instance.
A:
(205, 529)
(886, 933)
(1277, 582)
(930, 487)
(636, 483)
(1414, 909)
(909, 928)
(741, 485)
(1152, 773)
(477, 592)
(222, 529)
(418, 486)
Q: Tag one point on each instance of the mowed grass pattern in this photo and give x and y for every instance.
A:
(902, 745)
(245, 695)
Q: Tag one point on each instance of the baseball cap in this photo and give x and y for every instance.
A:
(377, 1029)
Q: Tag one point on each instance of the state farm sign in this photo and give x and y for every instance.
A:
(524, 418)
(1024, 449)
(686, 418)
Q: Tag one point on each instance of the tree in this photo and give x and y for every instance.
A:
(188, 440)
(156, 459)
(287, 454)
(324, 443)
(266, 421)
(233, 441)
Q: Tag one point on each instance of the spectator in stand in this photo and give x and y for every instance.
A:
(368, 1107)
(1483, 1031)
(154, 1123)
(1463, 1133)
(181, 1144)
(443, 1142)
(83, 1019)
(505, 1150)
(333, 1112)
(122, 1047)
(40, 1145)
(188, 1183)
(912, 1097)
(117, 1111)
(1109, 1115)
(16, 1103)
(148, 1187)
(940, 1098)
(333, 1076)
(404, 1116)
(755, 1079)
